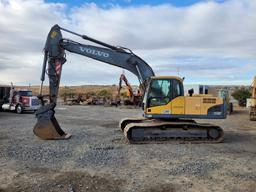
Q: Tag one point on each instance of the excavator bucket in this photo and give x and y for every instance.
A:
(47, 127)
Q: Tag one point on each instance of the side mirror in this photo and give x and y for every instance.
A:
(191, 92)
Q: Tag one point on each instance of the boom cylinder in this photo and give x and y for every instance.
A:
(43, 72)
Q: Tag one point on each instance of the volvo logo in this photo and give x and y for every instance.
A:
(94, 52)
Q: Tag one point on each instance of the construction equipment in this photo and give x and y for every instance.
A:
(167, 112)
(19, 101)
(252, 111)
(133, 98)
(76, 100)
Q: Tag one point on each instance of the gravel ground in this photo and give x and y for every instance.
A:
(98, 158)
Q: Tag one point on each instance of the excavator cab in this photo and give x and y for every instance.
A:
(165, 99)
(163, 90)
(160, 94)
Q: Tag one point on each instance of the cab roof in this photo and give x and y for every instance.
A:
(168, 77)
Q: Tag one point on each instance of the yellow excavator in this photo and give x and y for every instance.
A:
(168, 114)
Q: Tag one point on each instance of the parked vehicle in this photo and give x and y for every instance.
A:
(18, 100)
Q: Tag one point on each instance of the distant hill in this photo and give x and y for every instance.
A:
(74, 90)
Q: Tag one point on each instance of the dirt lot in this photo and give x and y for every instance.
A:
(98, 158)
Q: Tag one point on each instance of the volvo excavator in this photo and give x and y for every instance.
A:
(168, 114)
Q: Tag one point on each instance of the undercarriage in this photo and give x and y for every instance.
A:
(141, 131)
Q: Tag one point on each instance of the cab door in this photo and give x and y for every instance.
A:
(165, 97)
(178, 102)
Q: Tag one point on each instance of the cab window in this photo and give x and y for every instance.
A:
(25, 93)
(162, 91)
(159, 92)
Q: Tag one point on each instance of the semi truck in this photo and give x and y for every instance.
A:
(17, 100)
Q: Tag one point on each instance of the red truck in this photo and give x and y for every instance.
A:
(21, 100)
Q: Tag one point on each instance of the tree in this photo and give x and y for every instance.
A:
(67, 92)
(104, 93)
(90, 94)
(241, 95)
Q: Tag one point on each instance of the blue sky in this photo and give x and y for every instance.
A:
(177, 3)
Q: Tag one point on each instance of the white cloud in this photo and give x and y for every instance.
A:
(209, 42)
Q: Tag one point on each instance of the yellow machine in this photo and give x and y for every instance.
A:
(168, 114)
(177, 105)
(252, 111)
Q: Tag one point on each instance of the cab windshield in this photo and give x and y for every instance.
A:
(162, 91)
(25, 93)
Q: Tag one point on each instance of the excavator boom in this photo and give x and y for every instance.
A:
(47, 126)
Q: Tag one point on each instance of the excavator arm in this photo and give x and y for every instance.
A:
(47, 126)
(121, 79)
